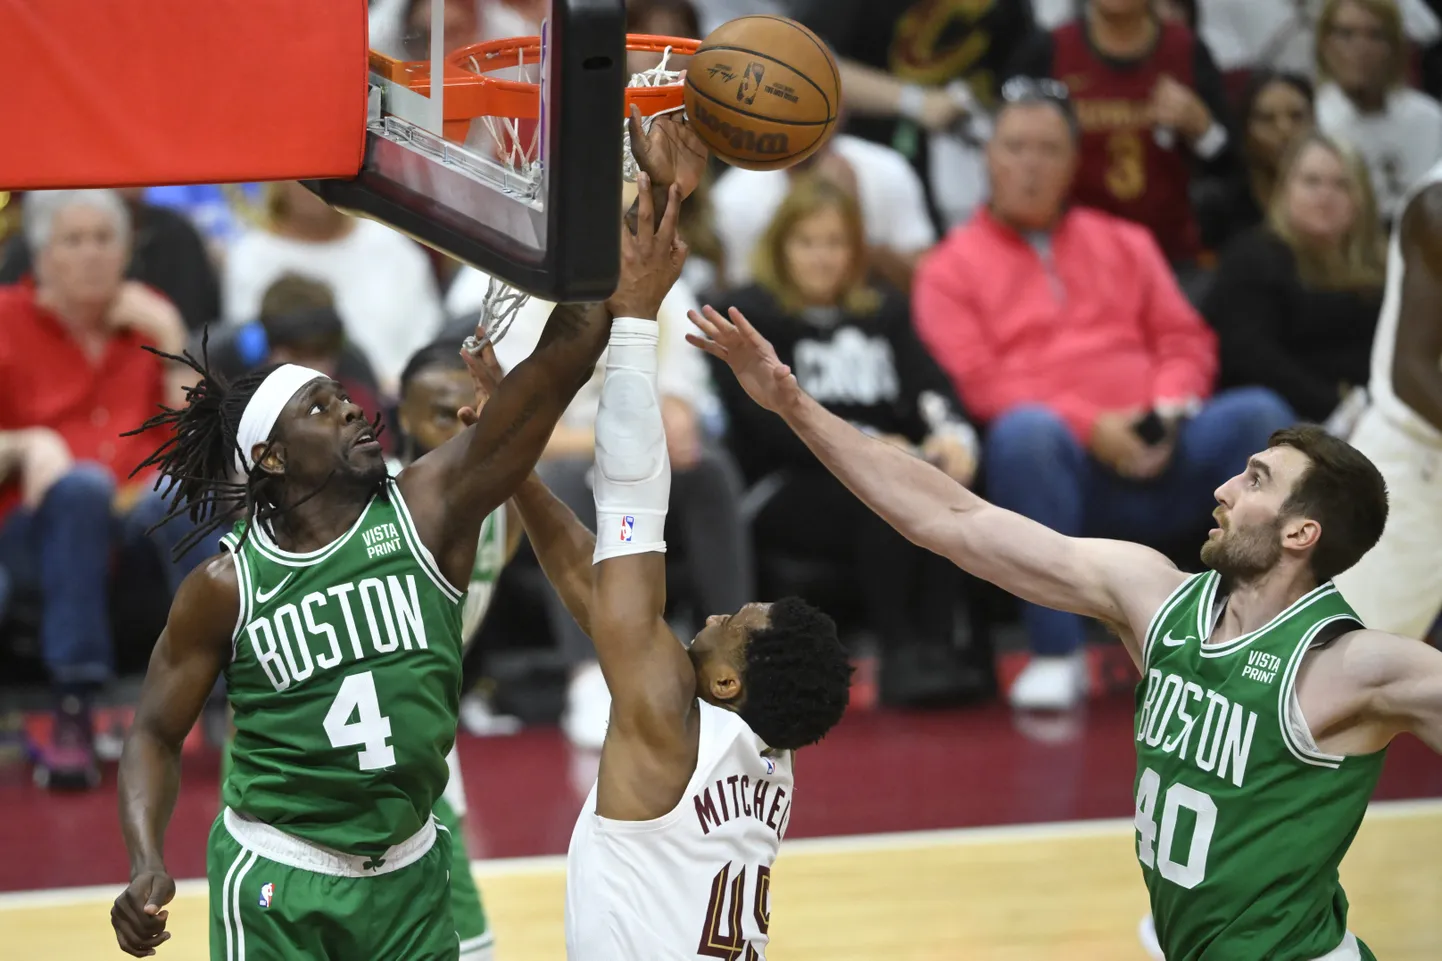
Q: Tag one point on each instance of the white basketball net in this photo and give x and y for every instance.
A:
(522, 156)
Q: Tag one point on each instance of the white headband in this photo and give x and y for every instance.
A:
(264, 408)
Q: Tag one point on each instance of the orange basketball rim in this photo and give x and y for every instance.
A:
(471, 92)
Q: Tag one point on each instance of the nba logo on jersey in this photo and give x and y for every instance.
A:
(267, 893)
(770, 765)
(628, 528)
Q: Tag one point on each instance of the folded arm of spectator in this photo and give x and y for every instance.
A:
(1245, 306)
(1208, 128)
(948, 324)
(150, 314)
(870, 91)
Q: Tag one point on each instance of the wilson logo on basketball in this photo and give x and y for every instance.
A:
(750, 83)
(740, 139)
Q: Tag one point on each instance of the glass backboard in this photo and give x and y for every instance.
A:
(505, 153)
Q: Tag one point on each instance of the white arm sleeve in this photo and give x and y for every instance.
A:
(633, 471)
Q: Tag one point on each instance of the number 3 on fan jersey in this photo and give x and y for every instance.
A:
(722, 936)
(1155, 852)
(357, 695)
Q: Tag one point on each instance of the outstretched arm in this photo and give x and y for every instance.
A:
(563, 545)
(1114, 581)
(189, 656)
(1402, 683)
(650, 747)
(452, 489)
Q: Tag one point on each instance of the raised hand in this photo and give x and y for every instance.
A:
(139, 914)
(671, 153)
(749, 355)
(651, 259)
(486, 374)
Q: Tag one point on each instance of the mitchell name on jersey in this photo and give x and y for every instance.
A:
(747, 799)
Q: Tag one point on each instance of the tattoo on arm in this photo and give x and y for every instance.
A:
(523, 417)
(566, 322)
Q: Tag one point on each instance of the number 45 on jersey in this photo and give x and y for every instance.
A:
(722, 936)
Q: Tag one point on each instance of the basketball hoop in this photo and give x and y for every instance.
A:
(510, 110)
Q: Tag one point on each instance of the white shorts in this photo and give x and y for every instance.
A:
(1397, 586)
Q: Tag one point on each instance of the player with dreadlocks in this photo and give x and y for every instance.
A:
(335, 613)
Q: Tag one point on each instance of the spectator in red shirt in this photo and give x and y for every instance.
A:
(1065, 332)
(1150, 103)
(72, 379)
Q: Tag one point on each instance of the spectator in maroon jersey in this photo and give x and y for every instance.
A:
(1065, 333)
(1151, 103)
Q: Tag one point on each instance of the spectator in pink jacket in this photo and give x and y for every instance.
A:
(1067, 336)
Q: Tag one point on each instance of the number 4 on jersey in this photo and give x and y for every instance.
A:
(1155, 852)
(724, 912)
(357, 695)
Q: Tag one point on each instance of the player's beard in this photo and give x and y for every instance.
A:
(1244, 554)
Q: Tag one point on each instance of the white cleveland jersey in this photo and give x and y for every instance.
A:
(695, 882)
(1384, 344)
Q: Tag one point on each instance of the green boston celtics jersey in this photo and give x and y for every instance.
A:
(1241, 822)
(345, 682)
(490, 559)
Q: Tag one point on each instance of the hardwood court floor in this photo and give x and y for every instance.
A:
(1052, 891)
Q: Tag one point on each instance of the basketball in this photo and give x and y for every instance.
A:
(763, 92)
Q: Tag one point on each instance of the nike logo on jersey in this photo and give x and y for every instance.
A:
(262, 596)
(1170, 641)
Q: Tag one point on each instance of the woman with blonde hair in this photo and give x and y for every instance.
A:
(1295, 299)
(1363, 98)
(852, 347)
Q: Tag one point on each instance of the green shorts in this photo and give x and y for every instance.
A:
(466, 909)
(275, 898)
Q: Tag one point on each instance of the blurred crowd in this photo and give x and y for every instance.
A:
(1085, 255)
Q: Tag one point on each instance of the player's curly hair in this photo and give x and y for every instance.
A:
(197, 460)
(798, 676)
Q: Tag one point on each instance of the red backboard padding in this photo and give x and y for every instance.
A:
(135, 92)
